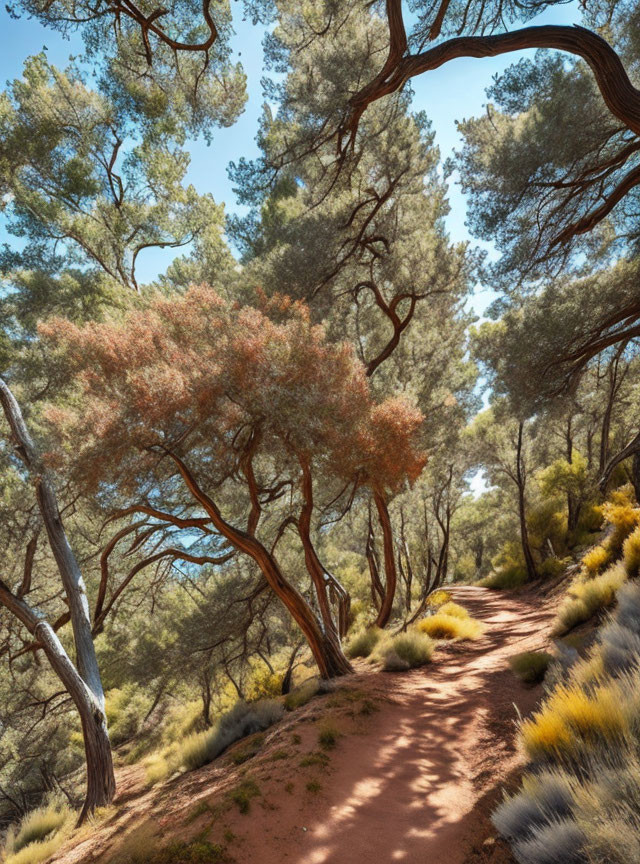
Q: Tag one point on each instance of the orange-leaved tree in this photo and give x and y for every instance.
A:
(214, 419)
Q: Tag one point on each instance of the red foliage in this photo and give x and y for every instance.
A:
(198, 370)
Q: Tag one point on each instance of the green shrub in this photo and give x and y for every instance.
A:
(126, 709)
(530, 666)
(363, 643)
(404, 651)
(465, 568)
(195, 852)
(200, 748)
(551, 568)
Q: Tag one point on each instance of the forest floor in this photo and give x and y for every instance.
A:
(419, 763)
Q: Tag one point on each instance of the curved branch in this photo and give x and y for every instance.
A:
(619, 94)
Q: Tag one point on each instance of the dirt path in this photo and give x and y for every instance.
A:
(412, 782)
(408, 791)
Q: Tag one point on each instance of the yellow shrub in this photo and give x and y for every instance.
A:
(454, 609)
(441, 626)
(595, 559)
(587, 597)
(631, 553)
(39, 835)
(620, 512)
(572, 715)
(438, 598)
(263, 684)
(545, 732)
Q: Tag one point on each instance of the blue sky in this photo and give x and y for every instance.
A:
(453, 92)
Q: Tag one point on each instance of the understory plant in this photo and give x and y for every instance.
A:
(579, 802)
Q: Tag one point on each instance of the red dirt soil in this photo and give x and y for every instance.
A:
(412, 781)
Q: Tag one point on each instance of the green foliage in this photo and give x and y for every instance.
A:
(125, 709)
(553, 567)
(194, 852)
(303, 694)
(530, 666)
(513, 576)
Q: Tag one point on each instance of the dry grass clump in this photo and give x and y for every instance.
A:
(39, 834)
(438, 598)
(201, 748)
(622, 515)
(504, 578)
(307, 691)
(530, 666)
(594, 561)
(585, 598)
(441, 626)
(455, 609)
(572, 717)
(404, 651)
(631, 553)
(362, 643)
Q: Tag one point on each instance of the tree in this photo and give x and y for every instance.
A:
(368, 249)
(194, 405)
(83, 191)
(169, 65)
(84, 683)
(500, 444)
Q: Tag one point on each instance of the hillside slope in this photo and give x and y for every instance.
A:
(410, 776)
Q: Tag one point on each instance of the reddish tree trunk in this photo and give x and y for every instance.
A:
(389, 559)
(329, 657)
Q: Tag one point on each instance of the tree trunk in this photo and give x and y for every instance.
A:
(573, 504)
(631, 449)
(329, 658)
(101, 784)
(377, 589)
(524, 533)
(68, 567)
(389, 559)
(635, 475)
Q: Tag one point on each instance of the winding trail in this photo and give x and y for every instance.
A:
(413, 789)
(413, 781)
